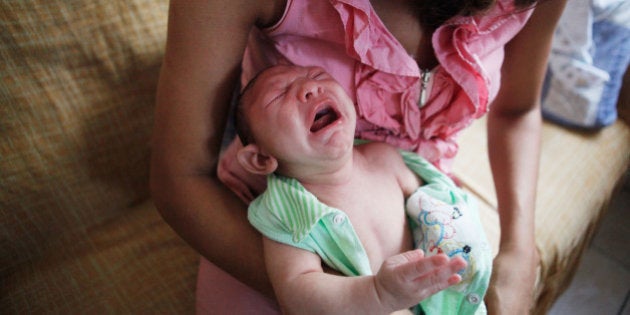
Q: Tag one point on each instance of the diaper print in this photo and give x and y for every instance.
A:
(442, 231)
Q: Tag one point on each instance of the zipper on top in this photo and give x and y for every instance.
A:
(425, 86)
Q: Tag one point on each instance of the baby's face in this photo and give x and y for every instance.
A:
(300, 114)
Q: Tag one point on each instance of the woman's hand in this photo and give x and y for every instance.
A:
(512, 282)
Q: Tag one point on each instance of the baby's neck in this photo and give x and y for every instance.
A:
(330, 182)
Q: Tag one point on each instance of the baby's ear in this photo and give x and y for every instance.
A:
(253, 160)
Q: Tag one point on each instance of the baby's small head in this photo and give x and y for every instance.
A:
(295, 114)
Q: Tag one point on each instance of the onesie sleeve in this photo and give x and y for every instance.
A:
(287, 213)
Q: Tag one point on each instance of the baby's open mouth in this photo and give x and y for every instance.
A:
(323, 118)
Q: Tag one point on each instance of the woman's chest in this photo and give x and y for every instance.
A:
(401, 20)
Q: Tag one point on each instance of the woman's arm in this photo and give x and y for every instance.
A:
(514, 125)
(205, 44)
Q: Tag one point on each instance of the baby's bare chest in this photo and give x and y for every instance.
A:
(377, 214)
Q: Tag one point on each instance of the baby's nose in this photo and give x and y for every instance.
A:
(309, 89)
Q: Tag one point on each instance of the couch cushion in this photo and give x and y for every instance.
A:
(76, 103)
(132, 264)
(578, 173)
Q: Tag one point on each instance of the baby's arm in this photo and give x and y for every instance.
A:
(302, 287)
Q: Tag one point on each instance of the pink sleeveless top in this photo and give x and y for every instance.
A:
(394, 104)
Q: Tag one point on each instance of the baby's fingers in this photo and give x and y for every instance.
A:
(408, 278)
(441, 277)
(413, 264)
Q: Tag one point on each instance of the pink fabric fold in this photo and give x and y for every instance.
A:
(368, 40)
(470, 51)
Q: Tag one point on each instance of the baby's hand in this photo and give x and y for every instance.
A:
(408, 278)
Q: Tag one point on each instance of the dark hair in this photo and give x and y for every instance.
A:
(241, 121)
(433, 13)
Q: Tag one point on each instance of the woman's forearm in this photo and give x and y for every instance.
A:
(514, 124)
(204, 47)
(187, 192)
(514, 143)
(213, 221)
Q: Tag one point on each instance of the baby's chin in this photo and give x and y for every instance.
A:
(338, 147)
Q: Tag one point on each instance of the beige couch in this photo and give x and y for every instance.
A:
(79, 233)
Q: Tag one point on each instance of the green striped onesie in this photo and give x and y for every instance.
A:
(443, 218)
